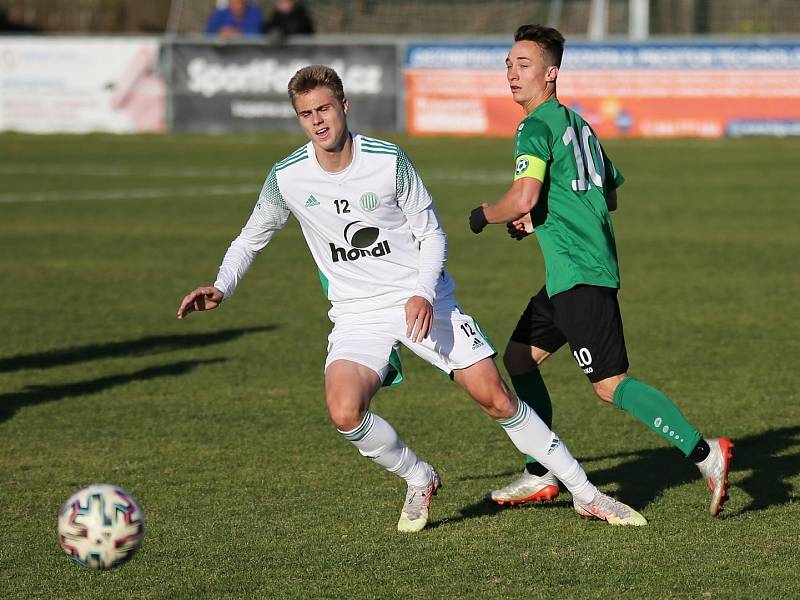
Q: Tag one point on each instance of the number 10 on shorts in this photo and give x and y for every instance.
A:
(584, 359)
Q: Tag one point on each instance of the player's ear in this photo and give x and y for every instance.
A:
(552, 74)
(345, 105)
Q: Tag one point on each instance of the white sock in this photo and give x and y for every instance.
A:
(378, 441)
(531, 436)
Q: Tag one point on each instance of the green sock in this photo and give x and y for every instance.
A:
(532, 391)
(658, 412)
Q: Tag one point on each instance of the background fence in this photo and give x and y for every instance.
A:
(410, 17)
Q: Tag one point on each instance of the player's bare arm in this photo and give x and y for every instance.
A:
(517, 202)
(419, 318)
(203, 298)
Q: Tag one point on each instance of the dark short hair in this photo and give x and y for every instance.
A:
(550, 40)
(314, 76)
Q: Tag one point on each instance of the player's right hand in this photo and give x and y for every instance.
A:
(477, 219)
(203, 298)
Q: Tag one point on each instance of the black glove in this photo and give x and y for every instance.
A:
(516, 233)
(477, 220)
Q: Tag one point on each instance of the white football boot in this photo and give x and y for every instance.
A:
(527, 488)
(414, 515)
(609, 510)
(715, 469)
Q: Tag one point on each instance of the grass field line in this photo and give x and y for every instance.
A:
(103, 171)
(446, 175)
(438, 175)
(129, 194)
(471, 177)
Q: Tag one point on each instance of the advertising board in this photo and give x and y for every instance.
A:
(75, 85)
(242, 87)
(646, 90)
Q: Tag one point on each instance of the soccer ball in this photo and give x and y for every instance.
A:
(100, 526)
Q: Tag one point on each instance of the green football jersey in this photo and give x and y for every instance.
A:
(571, 218)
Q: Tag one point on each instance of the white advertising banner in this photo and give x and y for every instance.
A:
(77, 85)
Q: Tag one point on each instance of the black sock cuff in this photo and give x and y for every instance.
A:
(700, 451)
(536, 468)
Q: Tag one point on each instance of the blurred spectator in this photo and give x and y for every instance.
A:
(238, 19)
(289, 18)
(7, 26)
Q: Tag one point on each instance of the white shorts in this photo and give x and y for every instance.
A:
(373, 339)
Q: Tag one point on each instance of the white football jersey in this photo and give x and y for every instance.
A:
(355, 223)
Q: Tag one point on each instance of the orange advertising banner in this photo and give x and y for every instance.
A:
(623, 90)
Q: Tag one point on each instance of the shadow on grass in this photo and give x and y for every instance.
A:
(147, 345)
(770, 459)
(37, 394)
(485, 508)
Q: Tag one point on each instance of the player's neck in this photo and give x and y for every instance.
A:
(337, 158)
(534, 103)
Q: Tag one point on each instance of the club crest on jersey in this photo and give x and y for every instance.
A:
(362, 238)
(369, 201)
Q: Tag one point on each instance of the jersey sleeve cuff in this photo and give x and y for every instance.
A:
(425, 294)
(226, 293)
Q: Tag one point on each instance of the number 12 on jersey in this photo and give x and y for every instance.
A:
(584, 160)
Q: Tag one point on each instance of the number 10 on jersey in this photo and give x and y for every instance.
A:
(584, 160)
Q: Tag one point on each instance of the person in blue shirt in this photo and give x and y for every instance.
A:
(238, 19)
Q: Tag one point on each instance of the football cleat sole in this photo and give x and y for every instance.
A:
(546, 494)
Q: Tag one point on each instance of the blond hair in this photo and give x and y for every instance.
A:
(314, 76)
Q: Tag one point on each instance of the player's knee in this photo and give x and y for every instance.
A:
(498, 404)
(345, 416)
(505, 409)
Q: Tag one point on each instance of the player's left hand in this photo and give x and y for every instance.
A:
(419, 318)
(477, 219)
(521, 228)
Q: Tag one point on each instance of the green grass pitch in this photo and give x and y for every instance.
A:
(217, 424)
